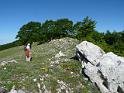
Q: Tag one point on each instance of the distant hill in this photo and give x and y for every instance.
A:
(9, 45)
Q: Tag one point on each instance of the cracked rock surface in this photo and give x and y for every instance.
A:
(106, 70)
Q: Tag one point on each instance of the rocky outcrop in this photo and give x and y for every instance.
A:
(6, 62)
(106, 70)
(13, 90)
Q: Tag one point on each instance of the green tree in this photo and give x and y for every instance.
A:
(109, 38)
(63, 28)
(48, 29)
(85, 27)
(97, 37)
(56, 29)
(29, 32)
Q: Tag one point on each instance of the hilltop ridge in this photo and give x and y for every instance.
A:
(52, 69)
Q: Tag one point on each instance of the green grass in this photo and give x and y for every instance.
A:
(41, 68)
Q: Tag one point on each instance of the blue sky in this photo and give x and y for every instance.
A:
(109, 14)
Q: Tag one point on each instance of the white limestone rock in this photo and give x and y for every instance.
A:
(60, 54)
(105, 70)
(90, 51)
(112, 68)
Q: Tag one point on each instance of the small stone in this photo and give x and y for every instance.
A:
(4, 68)
(86, 79)
(20, 91)
(41, 79)
(72, 72)
(35, 80)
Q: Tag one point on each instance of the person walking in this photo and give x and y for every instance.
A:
(28, 52)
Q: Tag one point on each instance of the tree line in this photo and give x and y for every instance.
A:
(37, 32)
(82, 30)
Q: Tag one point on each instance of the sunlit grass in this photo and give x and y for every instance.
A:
(41, 70)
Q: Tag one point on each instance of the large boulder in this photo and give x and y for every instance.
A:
(106, 70)
(90, 51)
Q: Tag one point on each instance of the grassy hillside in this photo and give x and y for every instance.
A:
(48, 72)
